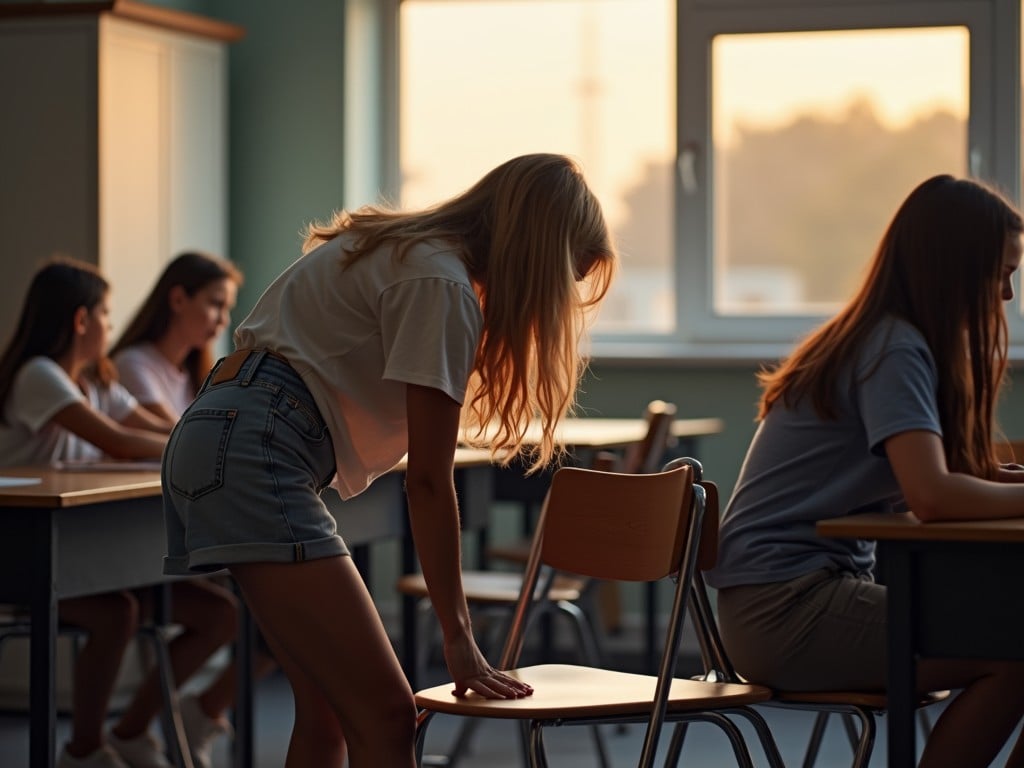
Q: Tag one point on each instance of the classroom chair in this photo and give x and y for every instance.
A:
(624, 527)
(497, 592)
(644, 457)
(856, 707)
(15, 622)
(1010, 451)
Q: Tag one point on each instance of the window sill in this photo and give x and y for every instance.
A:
(675, 354)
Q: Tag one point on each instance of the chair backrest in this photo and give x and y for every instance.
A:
(1010, 451)
(646, 456)
(610, 525)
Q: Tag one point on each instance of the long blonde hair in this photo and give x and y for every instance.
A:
(534, 241)
(938, 267)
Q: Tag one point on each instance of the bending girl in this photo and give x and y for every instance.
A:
(392, 331)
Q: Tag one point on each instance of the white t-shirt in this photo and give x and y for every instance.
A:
(357, 336)
(152, 378)
(41, 389)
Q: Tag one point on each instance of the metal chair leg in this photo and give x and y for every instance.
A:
(174, 732)
(739, 745)
(814, 743)
(675, 746)
(764, 735)
(851, 731)
(423, 719)
(867, 739)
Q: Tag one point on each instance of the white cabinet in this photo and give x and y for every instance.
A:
(113, 143)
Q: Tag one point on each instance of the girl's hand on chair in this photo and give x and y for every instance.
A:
(471, 672)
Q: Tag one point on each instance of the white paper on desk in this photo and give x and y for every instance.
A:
(14, 482)
(152, 465)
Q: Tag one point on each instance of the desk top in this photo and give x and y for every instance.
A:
(616, 433)
(905, 527)
(71, 488)
(63, 488)
(59, 488)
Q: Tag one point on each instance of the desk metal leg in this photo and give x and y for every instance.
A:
(902, 665)
(43, 646)
(361, 559)
(242, 748)
(410, 625)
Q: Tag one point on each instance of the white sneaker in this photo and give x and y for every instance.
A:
(143, 751)
(201, 730)
(104, 757)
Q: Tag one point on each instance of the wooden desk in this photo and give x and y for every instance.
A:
(599, 433)
(954, 590)
(74, 533)
(82, 533)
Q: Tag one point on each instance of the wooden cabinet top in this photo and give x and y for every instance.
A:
(131, 10)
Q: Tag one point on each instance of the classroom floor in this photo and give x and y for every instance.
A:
(495, 744)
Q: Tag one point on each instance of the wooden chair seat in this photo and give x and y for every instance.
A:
(561, 688)
(496, 587)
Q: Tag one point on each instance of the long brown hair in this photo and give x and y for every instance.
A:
(46, 326)
(193, 271)
(938, 267)
(535, 243)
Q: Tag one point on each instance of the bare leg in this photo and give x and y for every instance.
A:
(977, 723)
(317, 738)
(319, 619)
(111, 620)
(209, 614)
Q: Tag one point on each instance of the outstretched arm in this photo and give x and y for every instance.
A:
(117, 440)
(934, 493)
(433, 511)
(155, 416)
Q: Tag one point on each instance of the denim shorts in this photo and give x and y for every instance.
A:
(243, 472)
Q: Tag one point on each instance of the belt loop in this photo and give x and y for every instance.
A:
(253, 360)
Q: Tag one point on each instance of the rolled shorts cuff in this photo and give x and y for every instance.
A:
(216, 558)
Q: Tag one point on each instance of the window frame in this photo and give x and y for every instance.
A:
(701, 336)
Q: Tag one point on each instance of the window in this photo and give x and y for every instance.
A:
(748, 152)
(485, 81)
(816, 137)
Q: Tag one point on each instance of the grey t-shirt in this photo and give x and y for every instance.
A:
(800, 469)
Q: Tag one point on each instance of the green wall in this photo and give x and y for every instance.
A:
(285, 135)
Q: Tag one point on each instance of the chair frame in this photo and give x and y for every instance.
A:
(659, 710)
(856, 707)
